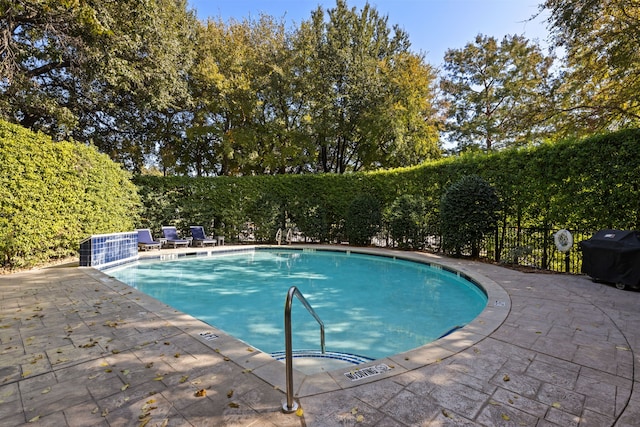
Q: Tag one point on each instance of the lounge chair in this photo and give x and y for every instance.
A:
(145, 240)
(199, 238)
(172, 239)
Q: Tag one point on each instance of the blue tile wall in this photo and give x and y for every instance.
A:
(105, 250)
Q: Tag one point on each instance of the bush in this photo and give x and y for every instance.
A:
(469, 209)
(406, 220)
(54, 194)
(585, 184)
(363, 220)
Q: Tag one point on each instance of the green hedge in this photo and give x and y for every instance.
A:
(54, 194)
(585, 184)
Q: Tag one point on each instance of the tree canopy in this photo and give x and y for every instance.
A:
(494, 92)
(98, 71)
(599, 86)
(155, 88)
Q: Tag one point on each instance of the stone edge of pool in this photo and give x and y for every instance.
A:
(273, 372)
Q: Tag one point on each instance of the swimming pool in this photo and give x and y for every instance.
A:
(372, 306)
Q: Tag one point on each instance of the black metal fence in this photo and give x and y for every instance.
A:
(534, 247)
(527, 247)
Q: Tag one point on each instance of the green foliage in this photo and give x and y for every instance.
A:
(583, 184)
(468, 211)
(52, 195)
(600, 89)
(105, 73)
(495, 92)
(406, 220)
(363, 219)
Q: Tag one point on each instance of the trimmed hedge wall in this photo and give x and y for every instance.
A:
(585, 184)
(54, 194)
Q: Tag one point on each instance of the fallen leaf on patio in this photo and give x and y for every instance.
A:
(201, 393)
(26, 374)
(105, 412)
(149, 365)
(165, 422)
(108, 371)
(506, 417)
(622, 347)
(246, 371)
(354, 411)
(144, 422)
(299, 412)
(184, 379)
(46, 390)
(556, 405)
(446, 413)
(34, 419)
(95, 411)
(176, 355)
(360, 418)
(167, 343)
(104, 364)
(125, 372)
(115, 351)
(159, 378)
(226, 359)
(506, 378)
(250, 350)
(494, 403)
(233, 405)
(124, 387)
(229, 394)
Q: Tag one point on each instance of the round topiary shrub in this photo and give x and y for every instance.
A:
(468, 210)
(363, 220)
(406, 221)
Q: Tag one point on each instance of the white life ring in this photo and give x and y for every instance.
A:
(563, 240)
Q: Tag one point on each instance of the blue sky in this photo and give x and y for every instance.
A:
(433, 25)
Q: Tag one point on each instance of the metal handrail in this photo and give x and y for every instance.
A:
(290, 405)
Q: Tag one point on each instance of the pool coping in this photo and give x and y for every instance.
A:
(272, 371)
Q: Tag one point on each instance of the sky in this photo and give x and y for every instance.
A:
(433, 26)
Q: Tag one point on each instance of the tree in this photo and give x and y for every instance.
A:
(247, 116)
(97, 71)
(363, 109)
(600, 89)
(494, 92)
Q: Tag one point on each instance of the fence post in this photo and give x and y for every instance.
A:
(545, 243)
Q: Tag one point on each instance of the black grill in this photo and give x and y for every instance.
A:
(613, 256)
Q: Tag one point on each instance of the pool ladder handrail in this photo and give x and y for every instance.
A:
(290, 405)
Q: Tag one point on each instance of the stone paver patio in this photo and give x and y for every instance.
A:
(78, 348)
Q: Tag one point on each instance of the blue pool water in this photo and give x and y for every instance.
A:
(371, 305)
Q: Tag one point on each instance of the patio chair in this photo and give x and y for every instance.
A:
(145, 240)
(199, 238)
(172, 239)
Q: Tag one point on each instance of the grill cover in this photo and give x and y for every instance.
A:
(612, 256)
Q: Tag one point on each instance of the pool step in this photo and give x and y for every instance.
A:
(313, 361)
